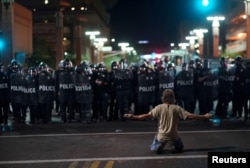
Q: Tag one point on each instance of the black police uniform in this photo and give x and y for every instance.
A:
(225, 92)
(113, 108)
(247, 89)
(101, 97)
(16, 95)
(4, 96)
(123, 80)
(165, 81)
(146, 90)
(66, 94)
(83, 94)
(208, 91)
(197, 71)
(30, 99)
(239, 89)
(184, 88)
(46, 95)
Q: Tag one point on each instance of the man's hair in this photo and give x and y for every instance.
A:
(168, 96)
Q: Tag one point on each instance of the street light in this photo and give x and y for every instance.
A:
(191, 40)
(215, 25)
(99, 44)
(183, 46)
(247, 10)
(92, 35)
(200, 34)
(123, 46)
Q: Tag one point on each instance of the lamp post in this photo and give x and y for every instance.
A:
(191, 40)
(100, 44)
(247, 10)
(215, 25)
(7, 3)
(200, 34)
(123, 48)
(92, 35)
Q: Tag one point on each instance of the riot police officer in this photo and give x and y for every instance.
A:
(83, 92)
(66, 91)
(101, 97)
(146, 87)
(225, 92)
(165, 80)
(30, 92)
(56, 74)
(123, 79)
(113, 109)
(4, 95)
(239, 89)
(184, 87)
(46, 93)
(208, 87)
(16, 91)
(197, 70)
(247, 89)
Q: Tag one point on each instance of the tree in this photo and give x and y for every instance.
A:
(41, 53)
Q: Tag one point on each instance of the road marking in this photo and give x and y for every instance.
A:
(73, 165)
(110, 164)
(97, 160)
(120, 133)
(86, 164)
(95, 164)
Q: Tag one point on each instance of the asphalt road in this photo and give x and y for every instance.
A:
(116, 144)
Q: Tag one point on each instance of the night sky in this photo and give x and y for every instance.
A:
(156, 20)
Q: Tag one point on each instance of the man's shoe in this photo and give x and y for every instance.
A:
(159, 149)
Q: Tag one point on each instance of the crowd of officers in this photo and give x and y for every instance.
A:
(96, 94)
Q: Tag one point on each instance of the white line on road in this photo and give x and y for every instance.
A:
(103, 159)
(120, 133)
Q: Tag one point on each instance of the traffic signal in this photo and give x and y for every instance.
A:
(205, 3)
(1, 42)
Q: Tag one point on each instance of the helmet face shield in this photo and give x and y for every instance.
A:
(32, 71)
(206, 64)
(43, 67)
(184, 66)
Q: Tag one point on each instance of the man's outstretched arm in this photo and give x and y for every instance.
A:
(137, 117)
(198, 116)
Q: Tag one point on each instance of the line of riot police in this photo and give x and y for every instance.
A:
(97, 94)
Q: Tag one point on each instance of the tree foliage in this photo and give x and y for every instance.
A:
(41, 53)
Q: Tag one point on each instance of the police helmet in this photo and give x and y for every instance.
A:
(114, 65)
(223, 61)
(43, 67)
(238, 58)
(79, 68)
(32, 71)
(144, 63)
(206, 63)
(84, 63)
(123, 64)
(67, 64)
(15, 66)
(101, 67)
(170, 66)
(191, 64)
(184, 66)
(60, 65)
